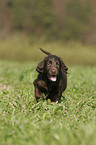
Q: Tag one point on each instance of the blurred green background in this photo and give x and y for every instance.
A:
(66, 28)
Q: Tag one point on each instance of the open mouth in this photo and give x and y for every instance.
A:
(52, 78)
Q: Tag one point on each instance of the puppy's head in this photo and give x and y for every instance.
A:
(51, 67)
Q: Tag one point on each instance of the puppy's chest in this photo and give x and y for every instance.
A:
(52, 87)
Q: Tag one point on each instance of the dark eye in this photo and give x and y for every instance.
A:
(50, 62)
(57, 63)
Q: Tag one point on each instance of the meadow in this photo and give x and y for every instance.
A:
(19, 47)
(23, 121)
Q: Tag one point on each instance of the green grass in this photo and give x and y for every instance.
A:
(23, 121)
(21, 48)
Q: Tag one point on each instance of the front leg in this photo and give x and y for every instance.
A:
(38, 94)
(40, 88)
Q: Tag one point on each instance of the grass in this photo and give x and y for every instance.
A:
(21, 48)
(23, 121)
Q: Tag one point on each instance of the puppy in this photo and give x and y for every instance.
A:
(52, 78)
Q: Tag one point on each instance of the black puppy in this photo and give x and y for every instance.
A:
(52, 77)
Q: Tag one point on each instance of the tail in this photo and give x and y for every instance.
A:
(45, 51)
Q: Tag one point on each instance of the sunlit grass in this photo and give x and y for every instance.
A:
(23, 121)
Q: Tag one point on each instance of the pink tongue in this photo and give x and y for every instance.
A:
(53, 79)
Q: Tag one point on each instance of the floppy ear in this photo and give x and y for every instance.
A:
(40, 67)
(63, 66)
